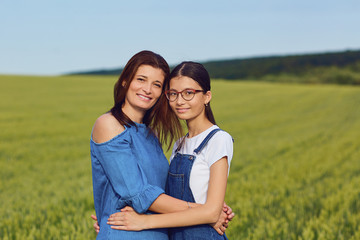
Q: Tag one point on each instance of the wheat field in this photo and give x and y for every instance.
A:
(295, 172)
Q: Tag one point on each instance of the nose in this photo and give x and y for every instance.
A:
(147, 88)
(180, 100)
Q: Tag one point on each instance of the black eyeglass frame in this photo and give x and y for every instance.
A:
(181, 93)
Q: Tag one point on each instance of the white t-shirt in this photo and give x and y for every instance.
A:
(219, 146)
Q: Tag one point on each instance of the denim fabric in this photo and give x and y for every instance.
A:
(178, 186)
(130, 169)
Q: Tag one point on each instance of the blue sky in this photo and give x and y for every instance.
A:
(50, 37)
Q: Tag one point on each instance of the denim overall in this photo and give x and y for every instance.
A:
(178, 186)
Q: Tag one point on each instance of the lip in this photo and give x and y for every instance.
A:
(182, 110)
(144, 98)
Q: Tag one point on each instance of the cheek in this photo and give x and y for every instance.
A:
(157, 93)
(172, 105)
(199, 107)
(134, 84)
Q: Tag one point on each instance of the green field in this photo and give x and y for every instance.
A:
(295, 172)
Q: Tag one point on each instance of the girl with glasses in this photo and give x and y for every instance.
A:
(199, 164)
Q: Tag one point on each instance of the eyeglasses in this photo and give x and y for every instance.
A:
(186, 94)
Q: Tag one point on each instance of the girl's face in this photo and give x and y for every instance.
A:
(145, 88)
(188, 109)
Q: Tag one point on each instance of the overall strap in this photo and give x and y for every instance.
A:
(206, 140)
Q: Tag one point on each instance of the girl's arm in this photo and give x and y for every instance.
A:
(167, 204)
(204, 214)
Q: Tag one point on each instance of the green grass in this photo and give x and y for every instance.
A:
(295, 172)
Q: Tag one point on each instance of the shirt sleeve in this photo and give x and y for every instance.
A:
(219, 146)
(126, 175)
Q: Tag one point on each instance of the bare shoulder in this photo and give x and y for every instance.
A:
(105, 128)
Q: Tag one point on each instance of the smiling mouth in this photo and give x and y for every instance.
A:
(182, 110)
(144, 97)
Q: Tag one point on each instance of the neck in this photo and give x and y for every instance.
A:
(133, 114)
(198, 125)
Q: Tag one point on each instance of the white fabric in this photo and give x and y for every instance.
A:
(219, 146)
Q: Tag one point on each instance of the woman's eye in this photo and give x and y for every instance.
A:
(141, 79)
(157, 85)
(189, 92)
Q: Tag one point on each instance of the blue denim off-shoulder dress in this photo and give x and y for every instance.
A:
(130, 169)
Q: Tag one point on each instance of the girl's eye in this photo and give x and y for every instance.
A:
(157, 85)
(189, 92)
(141, 79)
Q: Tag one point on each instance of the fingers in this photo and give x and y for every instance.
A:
(93, 217)
(229, 211)
(118, 219)
(223, 229)
(218, 230)
(96, 227)
(117, 223)
(127, 208)
(231, 216)
(119, 227)
(96, 224)
(117, 214)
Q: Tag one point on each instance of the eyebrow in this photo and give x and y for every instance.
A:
(181, 90)
(142, 76)
(158, 82)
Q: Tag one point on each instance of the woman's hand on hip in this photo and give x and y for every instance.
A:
(96, 224)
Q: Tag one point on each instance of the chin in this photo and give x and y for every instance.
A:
(182, 116)
(146, 106)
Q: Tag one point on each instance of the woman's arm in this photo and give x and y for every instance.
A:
(112, 157)
(203, 214)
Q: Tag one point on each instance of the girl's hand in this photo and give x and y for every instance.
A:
(229, 212)
(127, 219)
(96, 224)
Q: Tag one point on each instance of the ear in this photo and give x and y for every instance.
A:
(123, 83)
(207, 97)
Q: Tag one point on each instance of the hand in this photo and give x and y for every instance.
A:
(222, 223)
(127, 219)
(96, 224)
(229, 212)
(225, 217)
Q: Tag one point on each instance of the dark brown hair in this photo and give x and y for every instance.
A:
(198, 73)
(160, 118)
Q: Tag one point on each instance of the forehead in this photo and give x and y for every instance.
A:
(182, 82)
(150, 72)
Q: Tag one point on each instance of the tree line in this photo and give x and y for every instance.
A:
(332, 67)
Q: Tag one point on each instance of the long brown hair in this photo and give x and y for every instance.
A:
(160, 118)
(198, 73)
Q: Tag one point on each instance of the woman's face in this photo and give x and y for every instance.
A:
(191, 109)
(145, 88)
